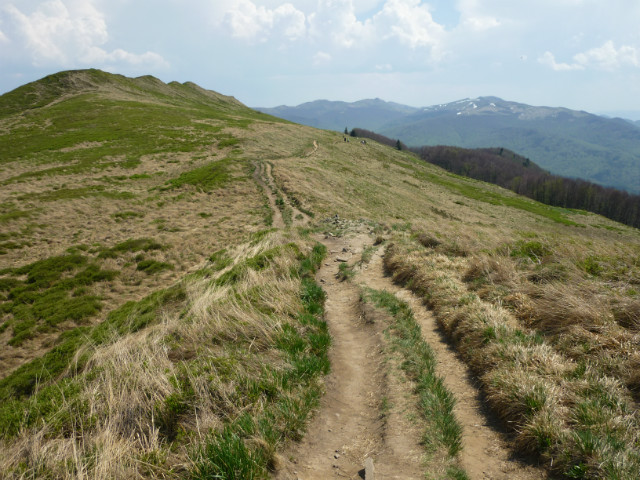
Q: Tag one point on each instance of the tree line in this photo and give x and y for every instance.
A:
(519, 174)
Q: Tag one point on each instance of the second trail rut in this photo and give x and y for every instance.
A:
(354, 422)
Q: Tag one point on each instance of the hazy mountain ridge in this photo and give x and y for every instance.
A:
(566, 142)
(332, 115)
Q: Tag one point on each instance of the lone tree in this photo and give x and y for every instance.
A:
(346, 131)
(398, 145)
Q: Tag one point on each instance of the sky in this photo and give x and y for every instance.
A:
(580, 54)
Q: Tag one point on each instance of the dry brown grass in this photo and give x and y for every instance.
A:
(626, 312)
(125, 429)
(172, 218)
(557, 306)
(536, 374)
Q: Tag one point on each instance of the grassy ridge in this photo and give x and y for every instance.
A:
(216, 346)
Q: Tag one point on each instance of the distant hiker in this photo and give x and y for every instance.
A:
(344, 138)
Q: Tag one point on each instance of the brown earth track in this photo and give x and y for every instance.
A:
(263, 175)
(264, 179)
(351, 424)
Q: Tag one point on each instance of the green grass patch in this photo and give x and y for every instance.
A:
(532, 250)
(131, 246)
(13, 215)
(55, 290)
(419, 363)
(151, 267)
(127, 215)
(205, 179)
(220, 260)
(465, 188)
(5, 247)
(345, 272)
(228, 142)
(592, 265)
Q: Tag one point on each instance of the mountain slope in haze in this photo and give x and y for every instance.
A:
(160, 316)
(370, 114)
(566, 142)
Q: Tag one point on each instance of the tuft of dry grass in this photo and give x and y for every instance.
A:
(558, 306)
(626, 312)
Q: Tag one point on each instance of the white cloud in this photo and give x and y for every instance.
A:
(549, 60)
(257, 23)
(335, 24)
(336, 20)
(478, 16)
(480, 24)
(321, 58)
(67, 32)
(410, 22)
(608, 57)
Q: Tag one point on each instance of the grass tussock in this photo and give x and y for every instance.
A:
(545, 373)
(208, 380)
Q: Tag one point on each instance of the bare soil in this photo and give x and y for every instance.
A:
(352, 423)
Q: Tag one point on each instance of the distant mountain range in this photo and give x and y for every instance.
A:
(565, 142)
(370, 114)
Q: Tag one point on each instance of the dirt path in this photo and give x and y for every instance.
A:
(485, 453)
(354, 422)
(263, 176)
(350, 425)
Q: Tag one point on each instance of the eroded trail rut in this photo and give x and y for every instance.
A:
(349, 426)
(345, 428)
(485, 453)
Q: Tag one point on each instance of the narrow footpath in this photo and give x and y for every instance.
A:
(365, 416)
